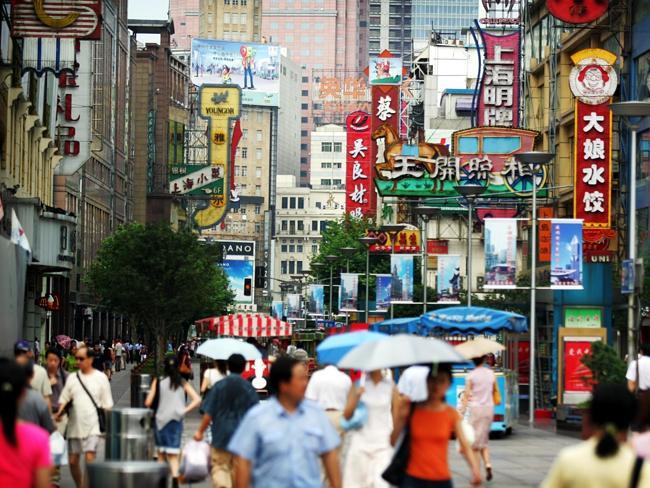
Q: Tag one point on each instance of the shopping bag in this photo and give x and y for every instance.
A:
(58, 449)
(195, 464)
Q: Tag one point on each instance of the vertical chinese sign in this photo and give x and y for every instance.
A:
(220, 105)
(360, 201)
(498, 103)
(593, 81)
(577, 377)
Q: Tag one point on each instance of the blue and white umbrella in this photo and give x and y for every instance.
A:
(332, 349)
(226, 347)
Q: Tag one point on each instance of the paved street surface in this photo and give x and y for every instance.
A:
(520, 460)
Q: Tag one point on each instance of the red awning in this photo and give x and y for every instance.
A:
(246, 325)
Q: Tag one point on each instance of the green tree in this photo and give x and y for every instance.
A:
(605, 364)
(161, 279)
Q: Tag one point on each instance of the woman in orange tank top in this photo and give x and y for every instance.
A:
(431, 424)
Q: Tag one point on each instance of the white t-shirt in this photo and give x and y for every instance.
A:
(329, 387)
(644, 372)
(41, 381)
(118, 349)
(83, 417)
(413, 383)
(213, 375)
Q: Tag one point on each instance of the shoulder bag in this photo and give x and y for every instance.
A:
(101, 413)
(636, 472)
(396, 470)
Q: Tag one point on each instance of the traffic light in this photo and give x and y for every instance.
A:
(248, 286)
(260, 276)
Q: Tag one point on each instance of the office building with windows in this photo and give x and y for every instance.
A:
(328, 157)
(231, 20)
(185, 14)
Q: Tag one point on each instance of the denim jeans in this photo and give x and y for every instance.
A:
(411, 482)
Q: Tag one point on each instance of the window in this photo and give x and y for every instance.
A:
(336, 182)
(284, 225)
(304, 133)
(314, 249)
(326, 165)
(304, 120)
(292, 248)
(305, 93)
(258, 153)
(298, 266)
(258, 172)
(317, 206)
(260, 117)
(326, 146)
(243, 18)
(258, 209)
(299, 248)
(226, 17)
(258, 136)
(283, 267)
(337, 165)
(323, 225)
(244, 170)
(305, 79)
(292, 227)
(325, 182)
(237, 170)
(338, 146)
(285, 201)
(234, 17)
(292, 267)
(304, 106)
(283, 248)
(258, 228)
(292, 202)
(301, 202)
(301, 225)
(245, 134)
(314, 225)
(304, 161)
(244, 153)
(258, 190)
(303, 147)
(244, 116)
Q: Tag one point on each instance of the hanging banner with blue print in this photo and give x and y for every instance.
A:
(316, 300)
(401, 288)
(448, 279)
(500, 253)
(277, 309)
(349, 292)
(566, 254)
(382, 292)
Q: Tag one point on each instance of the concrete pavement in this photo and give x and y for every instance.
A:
(520, 460)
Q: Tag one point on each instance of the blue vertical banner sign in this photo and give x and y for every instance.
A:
(448, 281)
(316, 300)
(382, 292)
(566, 254)
(277, 309)
(627, 276)
(401, 266)
(293, 306)
(500, 253)
(349, 292)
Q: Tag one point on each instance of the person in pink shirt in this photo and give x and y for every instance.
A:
(25, 460)
(480, 385)
(641, 439)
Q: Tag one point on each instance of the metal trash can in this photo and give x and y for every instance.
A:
(140, 386)
(130, 434)
(132, 474)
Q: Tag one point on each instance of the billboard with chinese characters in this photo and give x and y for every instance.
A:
(448, 279)
(176, 150)
(336, 93)
(220, 105)
(385, 121)
(593, 81)
(401, 288)
(576, 375)
(360, 201)
(405, 241)
(238, 263)
(498, 103)
(500, 253)
(566, 254)
(385, 70)
(483, 155)
(56, 19)
(74, 114)
(253, 67)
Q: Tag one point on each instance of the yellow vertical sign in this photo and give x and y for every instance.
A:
(220, 105)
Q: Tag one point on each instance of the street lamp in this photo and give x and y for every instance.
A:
(392, 230)
(425, 213)
(470, 192)
(628, 111)
(368, 241)
(331, 258)
(533, 158)
(348, 252)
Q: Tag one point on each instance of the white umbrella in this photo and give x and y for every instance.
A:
(399, 350)
(226, 347)
(479, 347)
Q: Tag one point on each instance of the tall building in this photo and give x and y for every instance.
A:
(389, 28)
(231, 20)
(185, 14)
(445, 18)
(326, 39)
(328, 156)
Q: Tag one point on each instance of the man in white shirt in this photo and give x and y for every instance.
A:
(643, 369)
(83, 425)
(329, 387)
(119, 348)
(40, 381)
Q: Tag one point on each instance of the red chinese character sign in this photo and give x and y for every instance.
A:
(80, 19)
(576, 375)
(360, 199)
(385, 121)
(577, 11)
(593, 81)
(498, 103)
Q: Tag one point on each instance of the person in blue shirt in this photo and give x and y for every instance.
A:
(279, 443)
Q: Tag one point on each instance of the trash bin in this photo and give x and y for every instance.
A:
(131, 474)
(140, 386)
(130, 434)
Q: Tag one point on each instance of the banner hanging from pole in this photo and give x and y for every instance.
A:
(500, 253)
(316, 300)
(349, 292)
(401, 278)
(382, 292)
(448, 279)
(293, 306)
(566, 258)
(277, 309)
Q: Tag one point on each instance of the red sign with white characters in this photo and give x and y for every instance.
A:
(593, 164)
(576, 374)
(498, 103)
(385, 121)
(360, 201)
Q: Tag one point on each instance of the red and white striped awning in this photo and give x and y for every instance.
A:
(247, 325)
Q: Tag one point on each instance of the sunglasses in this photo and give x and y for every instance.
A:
(80, 358)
